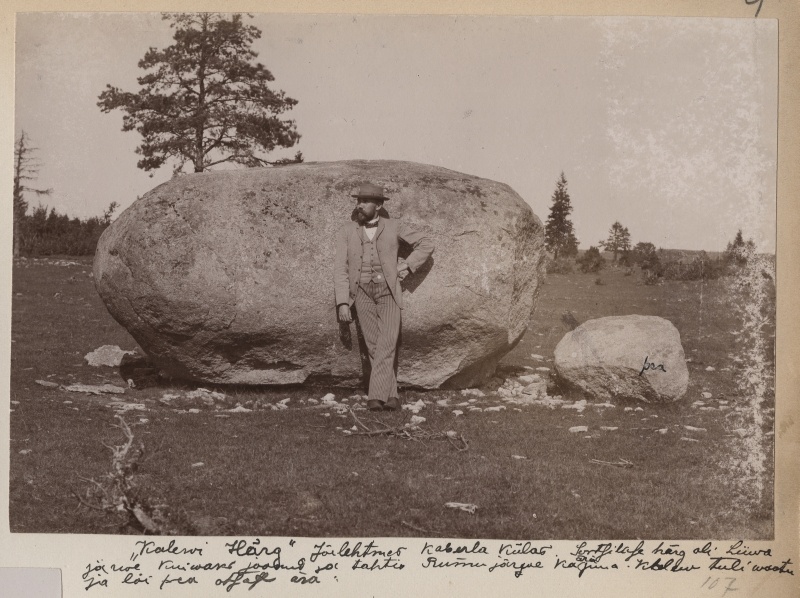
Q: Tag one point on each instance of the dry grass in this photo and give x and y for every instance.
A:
(296, 472)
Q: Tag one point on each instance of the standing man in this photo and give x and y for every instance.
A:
(367, 272)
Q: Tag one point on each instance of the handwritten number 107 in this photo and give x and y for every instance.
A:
(711, 582)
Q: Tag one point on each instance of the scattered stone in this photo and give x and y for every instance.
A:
(542, 369)
(68, 402)
(472, 392)
(707, 395)
(457, 412)
(329, 398)
(47, 384)
(662, 431)
(416, 420)
(605, 357)
(530, 378)
(495, 408)
(239, 409)
(198, 464)
(710, 369)
(443, 402)
(693, 429)
(25, 452)
(575, 429)
(107, 355)
(200, 397)
(452, 434)
(609, 428)
(121, 407)
(468, 507)
(414, 407)
(518, 457)
(579, 406)
(95, 389)
(685, 439)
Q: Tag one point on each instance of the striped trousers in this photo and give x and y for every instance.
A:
(379, 318)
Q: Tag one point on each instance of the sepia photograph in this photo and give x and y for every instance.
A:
(394, 276)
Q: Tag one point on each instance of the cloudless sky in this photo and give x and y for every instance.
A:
(668, 125)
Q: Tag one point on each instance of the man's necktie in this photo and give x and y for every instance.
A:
(371, 224)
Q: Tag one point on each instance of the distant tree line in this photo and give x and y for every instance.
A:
(654, 264)
(46, 232)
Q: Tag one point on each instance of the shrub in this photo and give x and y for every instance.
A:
(560, 266)
(591, 261)
(701, 267)
(649, 277)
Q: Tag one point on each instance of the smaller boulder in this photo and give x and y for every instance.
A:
(632, 357)
(108, 355)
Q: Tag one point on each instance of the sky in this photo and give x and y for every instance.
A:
(667, 125)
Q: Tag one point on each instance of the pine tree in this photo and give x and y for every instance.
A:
(619, 240)
(558, 232)
(204, 100)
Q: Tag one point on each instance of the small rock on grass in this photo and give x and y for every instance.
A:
(693, 429)
(198, 464)
(95, 389)
(47, 384)
(414, 407)
(107, 355)
(575, 429)
(685, 439)
(457, 412)
(609, 428)
(707, 395)
(518, 457)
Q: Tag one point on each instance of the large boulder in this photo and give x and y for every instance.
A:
(633, 357)
(227, 277)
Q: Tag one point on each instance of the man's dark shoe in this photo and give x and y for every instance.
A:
(393, 404)
(375, 405)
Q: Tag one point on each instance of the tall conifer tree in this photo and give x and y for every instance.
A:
(558, 232)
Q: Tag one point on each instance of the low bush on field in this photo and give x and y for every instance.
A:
(561, 266)
(591, 261)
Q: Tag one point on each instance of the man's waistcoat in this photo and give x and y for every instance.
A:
(371, 269)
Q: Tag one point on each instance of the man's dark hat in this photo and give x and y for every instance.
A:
(370, 191)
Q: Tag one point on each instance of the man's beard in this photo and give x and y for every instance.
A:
(361, 217)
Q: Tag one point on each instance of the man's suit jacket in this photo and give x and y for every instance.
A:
(347, 264)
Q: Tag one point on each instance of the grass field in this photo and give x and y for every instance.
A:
(294, 472)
